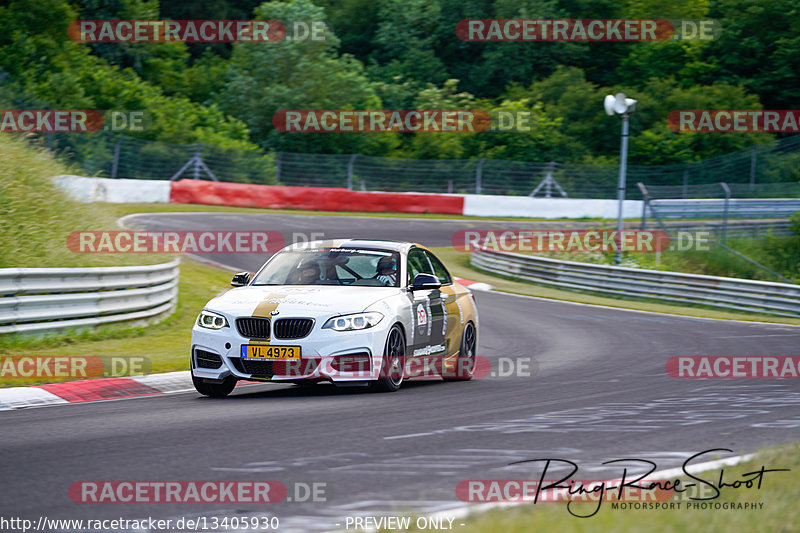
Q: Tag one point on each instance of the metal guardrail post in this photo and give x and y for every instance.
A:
(350, 164)
(115, 162)
(645, 200)
(753, 168)
(725, 210)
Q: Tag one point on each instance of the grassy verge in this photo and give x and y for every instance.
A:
(458, 263)
(697, 254)
(779, 253)
(164, 345)
(36, 216)
(779, 494)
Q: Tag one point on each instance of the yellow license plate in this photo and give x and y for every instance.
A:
(270, 352)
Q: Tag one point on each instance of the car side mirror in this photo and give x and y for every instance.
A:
(240, 279)
(425, 281)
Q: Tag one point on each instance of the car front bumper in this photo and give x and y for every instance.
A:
(326, 355)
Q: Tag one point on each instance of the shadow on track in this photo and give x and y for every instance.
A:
(322, 390)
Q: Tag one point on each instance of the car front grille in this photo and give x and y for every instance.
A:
(253, 328)
(204, 359)
(267, 369)
(259, 369)
(293, 328)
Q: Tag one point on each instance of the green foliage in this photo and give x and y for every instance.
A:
(299, 74)
(759, 48)
(36, 51)
(401, 54)
(36, 216)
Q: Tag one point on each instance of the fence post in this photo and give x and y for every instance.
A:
(685, 183)
(198, 156)
(278, 168)
(645, 199)
(479, 176)
(725, 211)
(450, 186)
(115, 161)
(753, 169)
(350, 171)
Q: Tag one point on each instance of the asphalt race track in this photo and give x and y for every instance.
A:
(598, 391)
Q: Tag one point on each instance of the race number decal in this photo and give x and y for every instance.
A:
(422, 315)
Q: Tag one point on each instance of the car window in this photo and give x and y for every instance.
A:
(331, 266)
(439, 270)
(418, 264)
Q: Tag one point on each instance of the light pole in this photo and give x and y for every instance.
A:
(620, 105)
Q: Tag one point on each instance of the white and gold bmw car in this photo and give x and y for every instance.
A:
(352, 312)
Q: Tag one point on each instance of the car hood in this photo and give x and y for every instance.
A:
(299, 301)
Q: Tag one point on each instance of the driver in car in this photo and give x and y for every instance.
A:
(309, 273)
(387, 271)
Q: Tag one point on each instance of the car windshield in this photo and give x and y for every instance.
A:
(332, 266)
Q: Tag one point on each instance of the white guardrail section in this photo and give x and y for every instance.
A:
(736, 208)
(40, 299)
(781, 299)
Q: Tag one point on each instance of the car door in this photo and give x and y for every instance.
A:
(447, 330)
(427, 309)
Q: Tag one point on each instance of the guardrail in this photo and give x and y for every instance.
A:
(41, 299)
(780, 299)
(718, 208)
(748, 229)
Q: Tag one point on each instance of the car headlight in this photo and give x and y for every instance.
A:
(211, 320)
(353, 322)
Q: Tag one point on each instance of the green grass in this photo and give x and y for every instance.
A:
(779, 253)
(36, 216)
(458, 264)
(780, 513)
(164, 344)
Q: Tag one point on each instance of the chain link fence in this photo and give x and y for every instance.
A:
(765, 170)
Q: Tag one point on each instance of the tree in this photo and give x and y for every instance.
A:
(293, 74)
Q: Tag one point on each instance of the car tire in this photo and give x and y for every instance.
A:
(214, 390)
(393, 364)
(465, 363)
